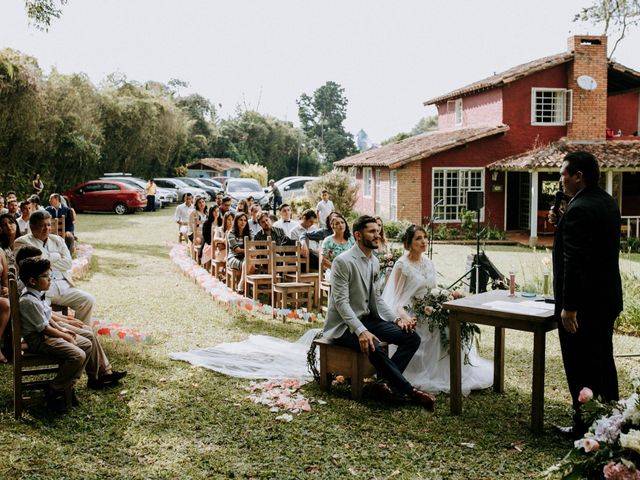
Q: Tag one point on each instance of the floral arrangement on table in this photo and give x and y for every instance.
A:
(611, 447)
(431, 311)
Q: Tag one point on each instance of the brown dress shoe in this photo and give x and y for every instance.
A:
(423, 399)
(382, 391)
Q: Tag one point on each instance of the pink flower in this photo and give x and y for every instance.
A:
(586, 394)
(428, 310)
(449, 298)
(339, 379)
(618, 471)
(590, 445)
(458, 294)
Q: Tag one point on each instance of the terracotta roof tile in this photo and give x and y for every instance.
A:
(505, 77)
(218, 164)
(421, 146)
(611, 154)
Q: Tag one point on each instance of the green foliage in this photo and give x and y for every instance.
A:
(442, 232)
(425, 124)
(299, 205)
(322, 117)
(259, 172)
(41, 12)
(394, 229)
(181, 171)
(630, 245)
(341, 192)
(629, 319)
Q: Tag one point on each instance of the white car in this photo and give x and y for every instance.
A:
(292, 187)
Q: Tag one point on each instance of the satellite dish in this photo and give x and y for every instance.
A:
(586, 82)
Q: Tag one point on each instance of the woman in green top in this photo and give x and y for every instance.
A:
(340, 241)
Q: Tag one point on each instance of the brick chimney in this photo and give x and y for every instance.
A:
(589, 106)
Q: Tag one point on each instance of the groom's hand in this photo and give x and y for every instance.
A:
(366, 339)
(569, 320)
(406, 325)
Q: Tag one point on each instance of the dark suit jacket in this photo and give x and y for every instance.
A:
(586, 273)
(62, 211)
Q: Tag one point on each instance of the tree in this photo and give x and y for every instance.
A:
(424, 125)
(615, 16)
(41, 12)
(322, 116)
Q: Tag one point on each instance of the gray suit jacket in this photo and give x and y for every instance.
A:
(352, 294)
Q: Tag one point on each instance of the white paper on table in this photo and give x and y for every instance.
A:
(514, 307)
(540, 305)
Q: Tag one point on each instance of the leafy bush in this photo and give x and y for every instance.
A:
(631, 245)
(393, 230)
(493, 233)
(341, 192)
(299, 205)
(468, 224)
(253, 170)
(442, 232)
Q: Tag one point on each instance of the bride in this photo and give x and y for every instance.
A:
(414, 275)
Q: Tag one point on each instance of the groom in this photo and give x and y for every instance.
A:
(358, 318)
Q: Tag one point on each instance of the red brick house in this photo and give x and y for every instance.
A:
(506, 135)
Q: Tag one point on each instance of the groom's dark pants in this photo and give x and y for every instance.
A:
(389, 369)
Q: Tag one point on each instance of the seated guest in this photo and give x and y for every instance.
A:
(250, 203)
(25, 213)
(11, 195)
(221, 234)
(12, 208)
(35, 203)
(307, 225)
(5, 309)
(63, 291)
(3, 210)
(316, 235)
(243, 207)
(285, 222)
(197, 217)
(44, 335)
(183, 211)
(206, 252)
(225, 206)
(254, 226)
(268, 230)
(340, 241)
(98, 369)
(219, 197)
(235, 246)
(9, 231)
(57, 210)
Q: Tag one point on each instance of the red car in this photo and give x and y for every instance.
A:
(106, 195)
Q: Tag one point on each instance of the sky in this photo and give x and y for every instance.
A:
(390, 56)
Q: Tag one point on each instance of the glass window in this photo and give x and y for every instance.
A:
(367, 182)
(450, 187)
(378, 192)
(550, 106)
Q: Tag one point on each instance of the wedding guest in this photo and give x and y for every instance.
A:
(197, 217)
(219, 197)
(36, 184)
(9, 231)
(267, 229)
(221, 234)
(57, 210)
(308, 247)
(35, 203)
(206, 252)
(12, 208)
(3, 210)
(11, 195)
(183, 211)
(242, 206)
(324, 208)
(63, 290)
(340, 241)
(5, 309)
(384, 247)
(357, 318)
(235, 242)
(150, 189)
(23, 219)
(586, 281)
(285, 222)
(316, 235)
(249, 203)
(277, 195)
(255, 212)
(225, 206)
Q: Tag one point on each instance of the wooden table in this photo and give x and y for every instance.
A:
(472, 309)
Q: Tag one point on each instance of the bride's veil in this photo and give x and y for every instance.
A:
(402, 285)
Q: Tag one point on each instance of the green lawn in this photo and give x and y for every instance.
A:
(170, 420)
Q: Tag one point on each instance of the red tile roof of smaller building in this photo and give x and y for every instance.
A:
(395, 155)
(611, 154)
(508, 76)
(217, 164)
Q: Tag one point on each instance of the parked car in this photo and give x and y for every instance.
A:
(164, 196)
(181, 188)
(106, 195)
(196, 183)
(212, 183)
(290, 187)
(240, 188)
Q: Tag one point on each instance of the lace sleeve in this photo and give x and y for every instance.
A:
(396, 294)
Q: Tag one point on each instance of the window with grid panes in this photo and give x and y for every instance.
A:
(451, 186)
(550, 106)
(393, 194)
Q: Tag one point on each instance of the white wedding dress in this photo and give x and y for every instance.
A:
(429, 367)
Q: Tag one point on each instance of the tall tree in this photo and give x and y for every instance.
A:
(615, 16)
(322, 117)
(42, 12)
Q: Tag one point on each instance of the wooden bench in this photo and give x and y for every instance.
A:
(338, 360)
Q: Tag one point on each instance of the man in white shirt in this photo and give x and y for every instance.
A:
(285, 223)
(307, 224)
(324, 208)
(183, 211)
(62, 290)
(255, 212)
(23, 219)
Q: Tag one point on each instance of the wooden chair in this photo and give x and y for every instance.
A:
(308, 277)
(194, 245)
(338, 360)
(284, 262)
(257, 255)
(27, 364)
(324, 287)
(218, 266)
(232, 277)
(57, 226)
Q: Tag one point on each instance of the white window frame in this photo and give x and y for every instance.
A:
(393, 195)
(367, 182)
(461, 197)
(457, 116)
(378, 183)
(566, 112)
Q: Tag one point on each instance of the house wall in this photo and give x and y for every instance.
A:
(622, 112)
(411, 193)
(482, 109)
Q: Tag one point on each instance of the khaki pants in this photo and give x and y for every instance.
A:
(61, 293)
(73, 358)
(97, 362)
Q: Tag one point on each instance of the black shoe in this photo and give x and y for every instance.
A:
(106, 381)
(55, 400)
(570, 433)
(74, 399)
(381, 390)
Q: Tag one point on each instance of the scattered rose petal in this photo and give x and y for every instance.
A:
(468, 444)
(285, 417)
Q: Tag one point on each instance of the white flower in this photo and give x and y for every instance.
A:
(631, 412)
(435, 292)
(607, 429)
(631, 440)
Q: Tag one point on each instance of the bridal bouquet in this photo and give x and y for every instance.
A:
(387, 261)
(611, 447)
(429, 310)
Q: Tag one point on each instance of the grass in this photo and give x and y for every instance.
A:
(170, 420)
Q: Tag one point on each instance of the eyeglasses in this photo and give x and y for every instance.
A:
(46, 275)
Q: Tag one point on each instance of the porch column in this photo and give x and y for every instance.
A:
(533, 213)
(609, 174)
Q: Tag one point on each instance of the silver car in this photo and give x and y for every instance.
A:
(181, 187)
